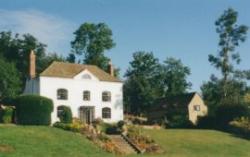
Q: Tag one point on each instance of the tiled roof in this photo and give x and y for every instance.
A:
(69, 70)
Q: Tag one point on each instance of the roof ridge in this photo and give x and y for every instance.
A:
(69, 70)
(74, 63)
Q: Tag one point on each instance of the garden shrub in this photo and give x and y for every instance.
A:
(65, 114)
(178, 121)
(112, 129)
(206, 122)
(6, 115)
(33, 110)
(241, 127)
(228, 112)
(75, 126)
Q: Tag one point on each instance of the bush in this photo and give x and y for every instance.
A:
(65, 114)
(206, 122)
(76, 126)
(112, 129)
(120, 124)
(241, 127)
(178, 121)
(6, 115)
(228, 112)
(33, 110)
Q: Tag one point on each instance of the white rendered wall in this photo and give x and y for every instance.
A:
(75, 87)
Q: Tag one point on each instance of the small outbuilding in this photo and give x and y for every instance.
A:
(191, 104)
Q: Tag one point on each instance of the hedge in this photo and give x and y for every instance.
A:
(33, 110)
(6, 114)
(228, 112)
(65, 114)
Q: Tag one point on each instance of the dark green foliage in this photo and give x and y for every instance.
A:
(33, 110)
(213, 93)
(63, 126)
(71, 58)
(141, 87)
(206, 122)
(9, 80)
(16, 48)
(120, 124)
(112, 129)
(65, 114)
(241, 127)
(228, 112)
(149, 80)
(91, 40)
(6, 115)
(230, 36)
(178, 121)
(174, 77)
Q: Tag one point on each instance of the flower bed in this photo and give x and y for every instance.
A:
(93, 133)
(142, 142)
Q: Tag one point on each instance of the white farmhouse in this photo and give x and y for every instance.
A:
(89, 91)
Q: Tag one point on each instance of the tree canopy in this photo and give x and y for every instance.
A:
(91, 40)
(174, 77)
(148, 80)
(16, 48)
(9, 80)
(231, 88)
(230, 36)
(140, 88)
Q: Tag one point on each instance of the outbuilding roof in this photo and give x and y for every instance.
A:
(69, 70)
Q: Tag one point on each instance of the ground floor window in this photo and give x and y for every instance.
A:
(106, 113)
(60, 110)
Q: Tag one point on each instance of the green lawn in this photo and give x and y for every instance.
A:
(33, 141)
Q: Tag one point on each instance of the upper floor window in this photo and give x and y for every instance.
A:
(106, 96)
(106, 113)
(86, 95)
(62, 94)
(197, 107)
(86, 76)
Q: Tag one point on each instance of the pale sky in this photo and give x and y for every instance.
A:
(168, 28)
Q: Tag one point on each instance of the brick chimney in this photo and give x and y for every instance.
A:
(111, 69)
(32, 65)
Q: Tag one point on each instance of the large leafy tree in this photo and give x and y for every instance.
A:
(213, 91)
(231, 88)
(174, 77)
(230, 36)
(91, 40)
(9, 80)
(71, 58)
(142, 85)
(16, 48)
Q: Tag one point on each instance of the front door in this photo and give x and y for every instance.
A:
(87, 114)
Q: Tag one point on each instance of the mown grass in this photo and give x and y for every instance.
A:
(37, 141)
